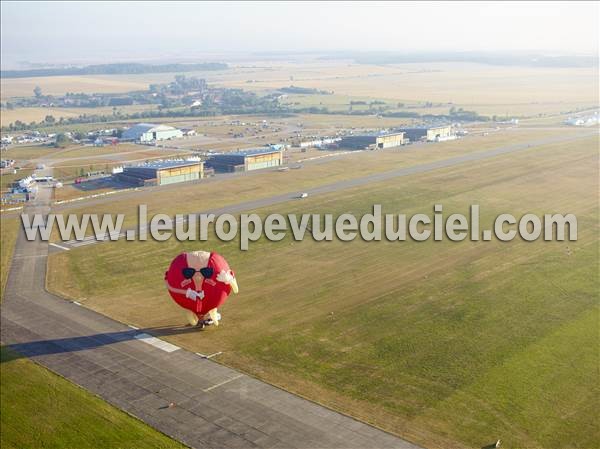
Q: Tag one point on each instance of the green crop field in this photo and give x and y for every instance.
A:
(450, 344)
(42, 410)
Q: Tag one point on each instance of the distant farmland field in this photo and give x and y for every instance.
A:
(450, 344)
(28, 115)
(57, 85)
(489, 90)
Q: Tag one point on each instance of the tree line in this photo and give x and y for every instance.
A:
(115, 69)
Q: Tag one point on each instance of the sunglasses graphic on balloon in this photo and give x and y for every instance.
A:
(200, 296)
(189, 272)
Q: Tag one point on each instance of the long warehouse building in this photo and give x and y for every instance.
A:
(372, 141)
(431, 134)
(246, 160)
(161, 173)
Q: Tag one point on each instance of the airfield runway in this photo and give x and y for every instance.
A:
(186, 396)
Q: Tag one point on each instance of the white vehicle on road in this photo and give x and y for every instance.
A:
(303, 195)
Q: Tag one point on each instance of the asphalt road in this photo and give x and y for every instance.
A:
(186, 396)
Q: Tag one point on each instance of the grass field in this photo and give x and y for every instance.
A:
(8, 238)
(448, 344)
(42, 410)
(25, 153)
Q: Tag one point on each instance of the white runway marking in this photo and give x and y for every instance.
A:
(60, 247)
(206, 390)
(78, 303)
(210, 356)
(89, 242)
(156, 342)
(133, 327)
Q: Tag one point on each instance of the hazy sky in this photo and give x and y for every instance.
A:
(100, 31)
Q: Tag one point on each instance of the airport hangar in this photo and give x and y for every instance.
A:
(161, 173)
(246, 160)
(431, 134)
(148, 132)
(374, 141)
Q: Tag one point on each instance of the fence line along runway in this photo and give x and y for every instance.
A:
(186, 396)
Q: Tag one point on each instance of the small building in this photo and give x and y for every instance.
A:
(148, 132)
(161, 173)
(246, 160)
(430, 134)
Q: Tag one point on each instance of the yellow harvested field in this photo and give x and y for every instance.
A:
(57, 85)
(28, 115)
(492, 90)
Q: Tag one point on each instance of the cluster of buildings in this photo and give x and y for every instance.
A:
(159, 173)
(27, 137)
(192, 169)
(24, 189)
(383, 140)
(7, 163)
(174, 171)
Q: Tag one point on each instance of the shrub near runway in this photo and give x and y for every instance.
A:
(444, 343)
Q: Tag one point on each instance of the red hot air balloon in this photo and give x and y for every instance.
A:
(200, 282)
